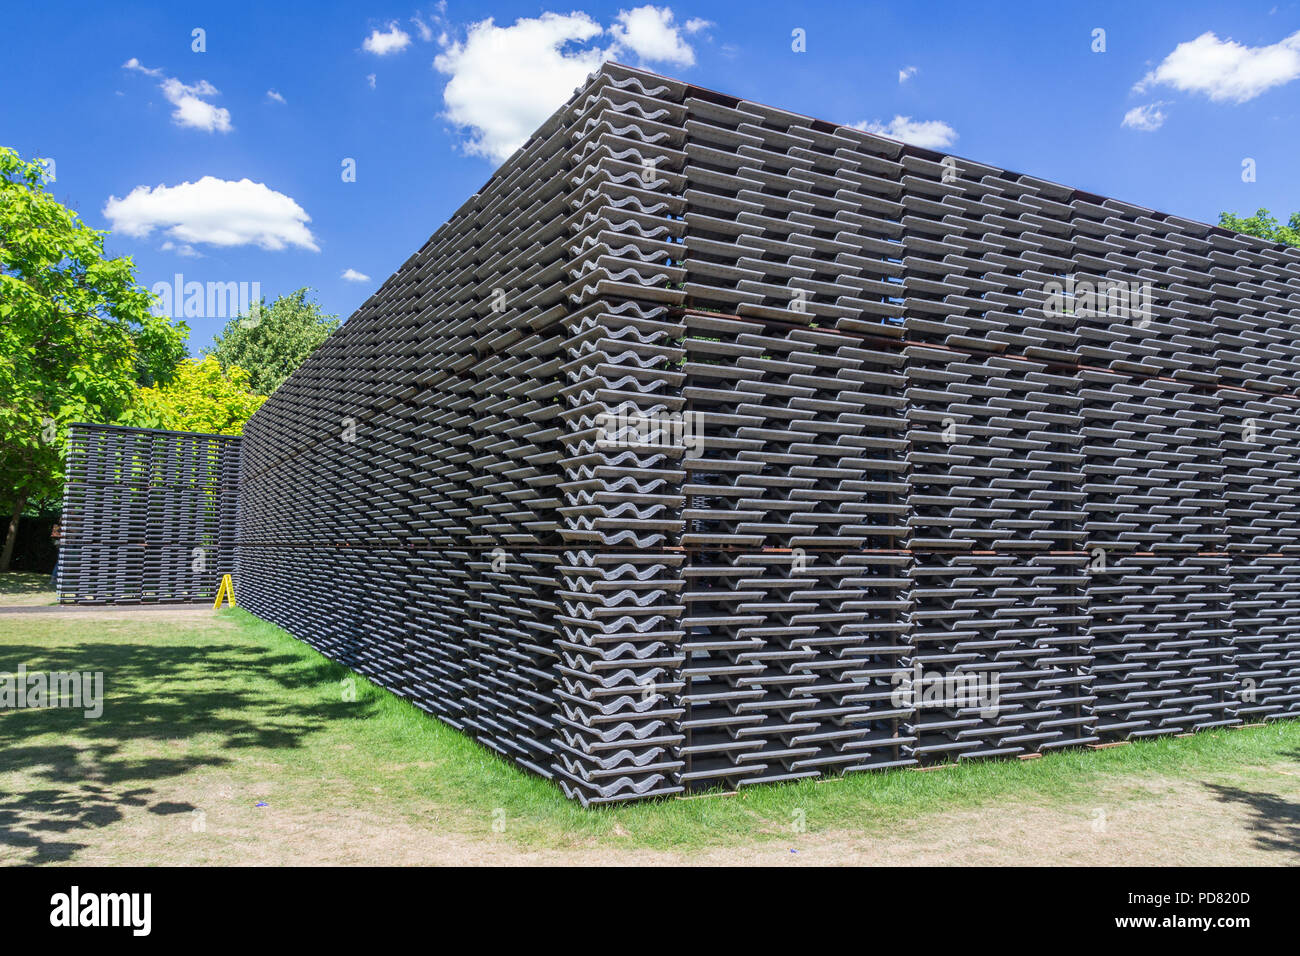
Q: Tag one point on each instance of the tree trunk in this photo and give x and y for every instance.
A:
(12, 536)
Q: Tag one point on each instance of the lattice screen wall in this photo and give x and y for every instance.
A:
(148, 515)
(919, 457)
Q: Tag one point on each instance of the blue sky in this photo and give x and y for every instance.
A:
(425, 98)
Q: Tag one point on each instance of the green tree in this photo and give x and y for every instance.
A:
(77, 335)
(1264, 225)
(274, 341)
(201, 397)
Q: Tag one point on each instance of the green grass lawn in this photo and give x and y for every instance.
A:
(220, 712)
(25, 587)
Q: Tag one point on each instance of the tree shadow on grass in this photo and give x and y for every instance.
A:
(205, 702)
(1274, 820)
(24, 582)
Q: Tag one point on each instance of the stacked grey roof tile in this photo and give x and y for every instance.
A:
(148, 515)
(956, 422)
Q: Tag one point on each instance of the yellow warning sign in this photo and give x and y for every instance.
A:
(227, 591)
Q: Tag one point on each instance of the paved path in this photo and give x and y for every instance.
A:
(91, 608)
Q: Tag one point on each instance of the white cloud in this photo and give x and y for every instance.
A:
(651, 34)
(273, 95)
(352, 275)
(505, 81)
(928, 134)
(426, 32)
(394, 40)
(906, 73)
(134, 64)
(696, 24)
(1147, 118)
(192, 107)
(370, 78)
(218, 212)
(184, 249)
(1225, 70)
